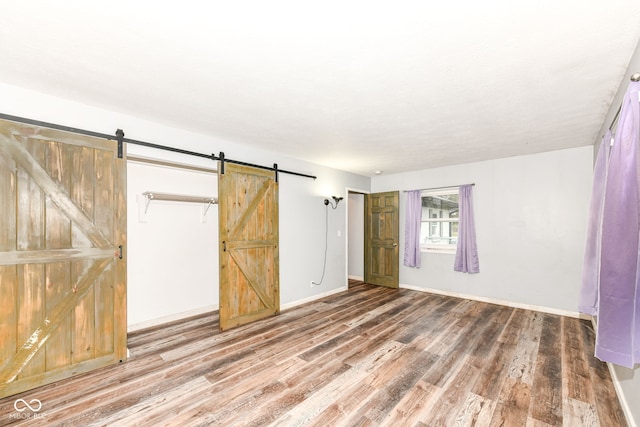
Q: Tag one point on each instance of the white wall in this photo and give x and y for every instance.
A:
(531, 214)
(302, 213)
(166, 240)
(628, 380)
(303, 216)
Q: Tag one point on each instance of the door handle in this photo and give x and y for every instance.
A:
(395, 245)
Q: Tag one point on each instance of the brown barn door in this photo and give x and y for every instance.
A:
(62, 278)
(249, 263)
(381, 236)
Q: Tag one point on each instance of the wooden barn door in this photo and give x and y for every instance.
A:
(249, 263)
(381, 234)
(62, 273)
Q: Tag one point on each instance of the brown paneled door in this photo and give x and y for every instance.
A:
(62, 267)
(248, 229)
(381, 235)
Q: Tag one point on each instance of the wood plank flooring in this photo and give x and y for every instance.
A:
(370, 356)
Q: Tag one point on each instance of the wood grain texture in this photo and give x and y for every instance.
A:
(8, 274)
(43, 327)
(31, 314)
(62, 216)
(58, 237)
(381, 234)
(55, 255)
(370, 356)
(43, 183)
(118, 285)
(249, 261)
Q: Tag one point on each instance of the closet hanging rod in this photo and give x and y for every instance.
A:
(634, 78)
(440, 188)
(119, 136)
(152, 195)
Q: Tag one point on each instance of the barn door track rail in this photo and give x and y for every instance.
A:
(119, 137)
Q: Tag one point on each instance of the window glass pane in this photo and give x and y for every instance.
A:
(439, 233)
(439, 219)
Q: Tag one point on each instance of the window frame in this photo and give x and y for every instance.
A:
(433, 247)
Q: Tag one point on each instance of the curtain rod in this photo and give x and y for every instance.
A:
(439, 188)
(119, 136)
(634, 78)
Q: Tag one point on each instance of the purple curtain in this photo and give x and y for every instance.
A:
(412, 223)
(467, 250)
(618, 323)
(591, 267)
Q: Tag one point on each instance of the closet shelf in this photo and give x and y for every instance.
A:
(153, 195)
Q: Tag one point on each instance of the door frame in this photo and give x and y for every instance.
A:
(346, 241)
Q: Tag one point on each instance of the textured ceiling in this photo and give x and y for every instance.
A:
(356, 85)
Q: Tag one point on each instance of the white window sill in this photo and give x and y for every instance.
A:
(451, 251)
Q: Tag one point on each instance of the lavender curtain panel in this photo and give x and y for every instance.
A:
(618, 323)
(467, 251)
(412, 223)
(591, 268)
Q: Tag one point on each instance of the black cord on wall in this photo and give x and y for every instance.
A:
(327, 202)
(326, 244)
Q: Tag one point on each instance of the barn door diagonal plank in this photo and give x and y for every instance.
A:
(255, 280)
(39, 337)
(21, 156)
(258, 197)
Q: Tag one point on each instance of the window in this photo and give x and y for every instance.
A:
(439, 228)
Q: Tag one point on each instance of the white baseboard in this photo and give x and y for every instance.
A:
(541, 309)
(621, 397)
(293, 304)
(616, 384)
(356, 278)
(171, 318)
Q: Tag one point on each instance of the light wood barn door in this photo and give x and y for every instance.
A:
(249, 263)
(381, 233)
(62, 281)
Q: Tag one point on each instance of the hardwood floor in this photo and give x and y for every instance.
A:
(367, 357)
